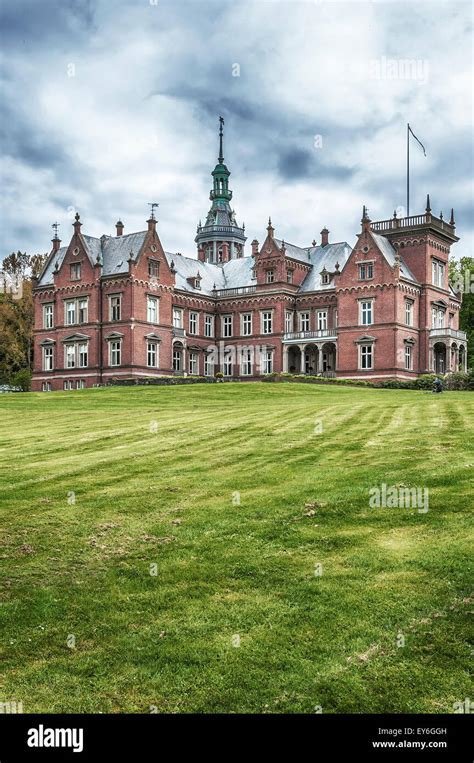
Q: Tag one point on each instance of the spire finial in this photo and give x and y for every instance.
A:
(221, 136)
(451, 222)
(428, 205)
(153, 205)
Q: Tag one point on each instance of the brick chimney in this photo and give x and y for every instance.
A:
(77, 224)
(254, 247)
(201, 254)
(119, 227)
(152, 224)
(56, 243)
(324, 236)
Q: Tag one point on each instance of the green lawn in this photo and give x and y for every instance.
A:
(236, 618)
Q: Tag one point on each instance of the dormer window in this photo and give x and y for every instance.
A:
(153, 268)
(366, 271)
(75, 271)
(289, 276)
(254, 273)
(269, 276)
(197, 282)
(325, 278)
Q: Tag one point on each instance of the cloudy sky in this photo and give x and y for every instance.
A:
(110, 105)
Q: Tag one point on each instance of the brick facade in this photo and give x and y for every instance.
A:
(120, 306)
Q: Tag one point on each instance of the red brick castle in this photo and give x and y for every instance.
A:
(121, 307)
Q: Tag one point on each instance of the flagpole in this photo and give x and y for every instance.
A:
(408, 170)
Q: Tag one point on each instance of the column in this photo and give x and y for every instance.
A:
(214, 251)
(285, 358)
(302, 360)
(320, 358)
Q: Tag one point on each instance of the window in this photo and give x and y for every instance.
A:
(366, 313)
(268, 362)
(177, 359)
(366, 271)
(409, 312)
(193, 363)
(46, 387)
(253, 273)
(246, 324)
(408, 357)
(208, 365)
(70, 312)
(48, 316)
(82, 352)
(193, 323)
(366, 356)
(83, 310)
(75, 271)
(288, 321)
(115, 353)
(67, 385)
(152, 355)
(115, 307)
(322, 320)
(246, 362)
(152, 309)
(304, 321)
(209, 326)
(437, 317)
(226, 325)
(438, 273)
(177, 318)
(269, 276)
(267, 322)
(228, 364)
(289, 276)
(80, 384)
(48, 358)
(69, 356)
(153, 268)
(325, 278)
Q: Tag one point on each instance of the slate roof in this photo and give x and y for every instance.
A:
(389, 253)
(320, 258)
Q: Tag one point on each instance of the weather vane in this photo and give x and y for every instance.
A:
(55, 227)
(153, 205)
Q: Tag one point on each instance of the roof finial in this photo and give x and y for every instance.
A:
(55, 227)
(451, 222)
(441, 215)
(221, 135)
(153, 205)
(428, 205)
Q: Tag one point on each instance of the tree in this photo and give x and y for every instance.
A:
(17, 314)
(461, 276)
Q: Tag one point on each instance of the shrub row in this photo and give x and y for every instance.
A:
(451, 381)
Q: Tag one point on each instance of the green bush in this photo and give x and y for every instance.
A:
(22, 379)
(426, 381)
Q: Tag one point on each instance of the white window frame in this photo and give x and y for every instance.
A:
(75, 267)
(152, 309)
(267, 366)
(246, 324)
(437, 272)
(177, 356)
(152, 355)
(366, 271)
(193, 363)
(83, 312)
(366, 353)
(115, 307)
(266, 317)
(209, 326)
(115, 353)
(366, 311)
(70, 303)
(82, 354)
(408, 357)
(289, 321)
(227, 364)
(208, 365)
(226, 325)
(270, 276)
(48, 315)
(178, 317)
(46, 387)
(322, 320)
(304, 319)
(70, 355)
(246, 362)
(409, 304)
(193, 322)
(48, 357)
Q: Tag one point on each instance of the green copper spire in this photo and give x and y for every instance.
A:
(220, 191)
